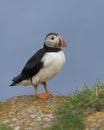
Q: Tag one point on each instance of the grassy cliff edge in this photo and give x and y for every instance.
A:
(82, 110)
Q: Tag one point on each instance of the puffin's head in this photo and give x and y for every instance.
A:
(54, 40)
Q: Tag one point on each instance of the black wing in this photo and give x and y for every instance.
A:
(34, 64)
(31, 68)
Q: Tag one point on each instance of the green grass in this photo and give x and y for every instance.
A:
(4, 127)
(76, 107)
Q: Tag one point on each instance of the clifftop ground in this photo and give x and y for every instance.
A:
(83, 110)
(28, 112)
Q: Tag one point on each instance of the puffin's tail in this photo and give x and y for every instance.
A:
(16, 80)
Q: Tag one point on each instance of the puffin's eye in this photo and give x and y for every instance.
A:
(52, 38)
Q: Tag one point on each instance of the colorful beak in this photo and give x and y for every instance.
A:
(62, 42)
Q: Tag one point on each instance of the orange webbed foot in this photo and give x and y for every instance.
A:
(44, 96)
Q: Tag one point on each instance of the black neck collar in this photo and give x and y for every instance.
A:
(50, 49)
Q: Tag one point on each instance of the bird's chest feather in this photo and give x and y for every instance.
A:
(54, 60)
(52, 64)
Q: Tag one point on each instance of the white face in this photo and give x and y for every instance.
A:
(52, 41)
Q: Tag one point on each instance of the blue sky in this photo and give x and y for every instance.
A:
(23, 27)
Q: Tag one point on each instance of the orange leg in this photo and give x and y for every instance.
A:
(43, 96)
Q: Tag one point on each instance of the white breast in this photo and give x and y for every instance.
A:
(53, 62)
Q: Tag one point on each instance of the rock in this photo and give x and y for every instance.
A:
(94, 121)
(17, 128)
(28, 112)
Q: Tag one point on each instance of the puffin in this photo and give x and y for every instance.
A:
(43, 65)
